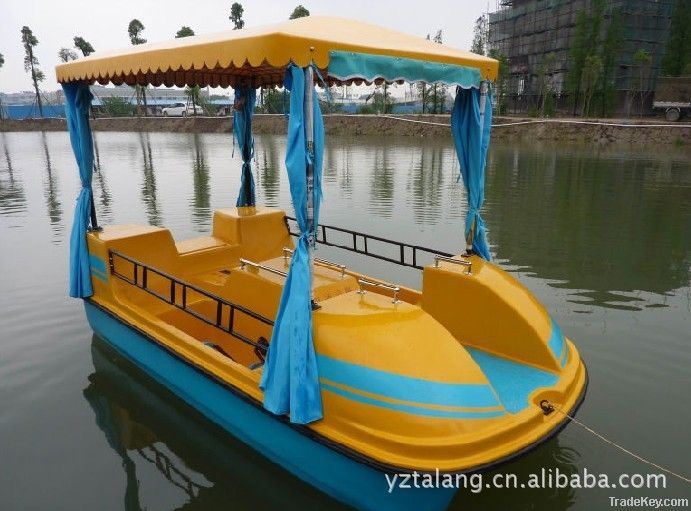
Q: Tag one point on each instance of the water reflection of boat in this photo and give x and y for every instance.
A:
(144, 423)
(340, 377)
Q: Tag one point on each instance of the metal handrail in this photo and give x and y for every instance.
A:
(438, 258)
(246, 262)
(182, 303)
(322, 262)
(403, 248)
(385, 285)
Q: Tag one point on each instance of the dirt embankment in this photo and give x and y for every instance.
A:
(603, 131)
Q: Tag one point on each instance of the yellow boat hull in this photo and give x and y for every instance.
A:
(449, 378)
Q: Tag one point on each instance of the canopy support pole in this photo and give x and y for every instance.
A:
(290, 379)
(94, 220)
(309, 138)
(484, 89)
(243, 110)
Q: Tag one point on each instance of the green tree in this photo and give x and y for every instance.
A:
(643, 62)
(184, 31)
(437, 94)
(66, 54)
(545, 72)
(579, 52)
(382, 102)
(236, 12)
(677, 59)
(330, 105)
(614, 39)
(502, 83)
(134, 31)
(592, 70)
(587, 42)
(83, 45)
(275, 101)
(423, 91)
(299, 12)
(117, 107)
(30, 41)
(479, 44)
(193, 93)
(205, 103)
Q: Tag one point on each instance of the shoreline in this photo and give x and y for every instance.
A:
(600, 131)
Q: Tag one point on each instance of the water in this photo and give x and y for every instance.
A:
(602, 236)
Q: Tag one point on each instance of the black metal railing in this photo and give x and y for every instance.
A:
(140, 279)
(401, 248)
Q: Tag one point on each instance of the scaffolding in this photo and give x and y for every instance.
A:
(527, 31)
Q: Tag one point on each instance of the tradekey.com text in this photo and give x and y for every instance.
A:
(545, 478)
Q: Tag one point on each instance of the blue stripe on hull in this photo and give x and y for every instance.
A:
(406, 388)
(407, 408)
(337, 475)
(557, 343)
(512, 381)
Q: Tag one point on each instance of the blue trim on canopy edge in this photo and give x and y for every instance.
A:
(348, 65)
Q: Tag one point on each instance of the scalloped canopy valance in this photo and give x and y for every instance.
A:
(344, 50)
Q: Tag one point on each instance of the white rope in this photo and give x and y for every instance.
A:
(446, 125)
(614, 444)
(413, 120)
(591, 123)
(520, 123)
(387, 116)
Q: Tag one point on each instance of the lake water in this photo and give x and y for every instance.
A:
(601, 235)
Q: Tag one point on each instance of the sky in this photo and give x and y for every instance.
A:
(104, 23)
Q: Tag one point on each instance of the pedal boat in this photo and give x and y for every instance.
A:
(448, 379)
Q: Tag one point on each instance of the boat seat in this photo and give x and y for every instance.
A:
(203, 256)
(198, 244)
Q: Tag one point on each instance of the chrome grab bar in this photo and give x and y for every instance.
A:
(245, 262)
(438, 258)
(366, 282)
(323, 262)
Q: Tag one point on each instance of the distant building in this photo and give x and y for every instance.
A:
(527, 31)
(22, 105)
(154, 96)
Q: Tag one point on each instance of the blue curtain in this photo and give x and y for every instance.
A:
(77, 103)
(245, 98)
(472, 141)
(290, 379)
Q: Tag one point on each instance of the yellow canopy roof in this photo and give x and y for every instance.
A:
(260, 55)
